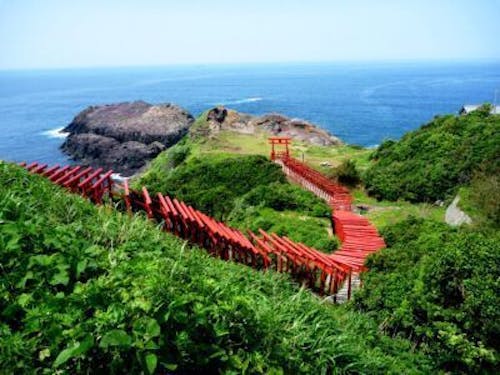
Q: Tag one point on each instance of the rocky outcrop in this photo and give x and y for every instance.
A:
(454, 216)
(124, 136)
(220, 118)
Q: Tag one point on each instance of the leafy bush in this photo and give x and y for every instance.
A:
(278, 207)
(432, 162)
(164, 162)
(346, 173)
(307, 230)
(438, 287)
(485, 196)
(87, 290)
(283, 196)
(211, 183)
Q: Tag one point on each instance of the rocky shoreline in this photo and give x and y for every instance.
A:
(126, 136)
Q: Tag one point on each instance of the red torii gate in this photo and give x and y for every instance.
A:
(280, 141)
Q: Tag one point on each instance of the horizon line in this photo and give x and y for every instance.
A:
(252, 63)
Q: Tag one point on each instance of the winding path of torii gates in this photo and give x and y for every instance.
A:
(326, 274)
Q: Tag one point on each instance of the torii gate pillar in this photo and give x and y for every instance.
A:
(280, 142)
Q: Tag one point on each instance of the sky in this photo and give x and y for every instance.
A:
(97, 33)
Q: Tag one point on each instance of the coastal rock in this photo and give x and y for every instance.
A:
(124, 136)
(220, 118)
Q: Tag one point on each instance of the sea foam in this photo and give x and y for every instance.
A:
(56, 133)
(242, 101)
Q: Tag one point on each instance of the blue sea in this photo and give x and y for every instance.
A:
(362, 103)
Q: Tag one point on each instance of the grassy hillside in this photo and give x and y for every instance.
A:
(87, 290)
(229, 142)
(387, 213)
(439, 287)
(431, 163)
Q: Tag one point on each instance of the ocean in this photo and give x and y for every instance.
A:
(362, 103)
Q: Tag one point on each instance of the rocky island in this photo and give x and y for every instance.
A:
(125, 136)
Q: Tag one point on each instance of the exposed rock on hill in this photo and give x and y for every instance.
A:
(220, 118)
(454, 216)
(125, 136)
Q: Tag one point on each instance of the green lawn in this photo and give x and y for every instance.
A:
(386, 213)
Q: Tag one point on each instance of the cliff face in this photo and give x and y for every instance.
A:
(220, 118)
(125, 136)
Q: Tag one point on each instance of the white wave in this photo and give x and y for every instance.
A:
(56, 133)
(242, 101)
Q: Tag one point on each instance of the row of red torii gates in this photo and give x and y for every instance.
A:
(358, 236)
(326, 274)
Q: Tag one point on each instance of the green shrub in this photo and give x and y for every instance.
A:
(432, 162)
(310, 231)
(211, 183)
(438, 287)
(346, 173)
(177, 154)
(283, 196)
(485, 196)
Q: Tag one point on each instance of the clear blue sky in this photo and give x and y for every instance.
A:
(77, 33)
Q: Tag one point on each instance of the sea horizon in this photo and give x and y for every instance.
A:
(364, 62)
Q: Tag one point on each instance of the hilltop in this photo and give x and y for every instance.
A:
(212, 122)
(449, 155)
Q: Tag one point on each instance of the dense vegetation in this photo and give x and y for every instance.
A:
(439, 287)
(481, 200)
(247, 191)
(431, 163)
(213, 183)
(346, 173)
(88, 290)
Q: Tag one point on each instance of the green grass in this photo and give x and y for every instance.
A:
(467, 205)
(481, 201)
(257, 144)
(84, 289)
(228, 142)
(312, 231)
(387, 213)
